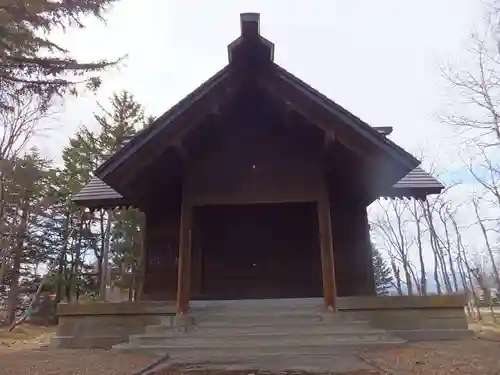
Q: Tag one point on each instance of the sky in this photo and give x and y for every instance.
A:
(380, 60)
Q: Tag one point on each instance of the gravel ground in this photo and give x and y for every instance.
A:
(467, 357)
(22, 354)
(71, 362)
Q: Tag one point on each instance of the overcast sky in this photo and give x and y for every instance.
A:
(378, 59)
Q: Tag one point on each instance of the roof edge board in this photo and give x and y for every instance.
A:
(363, 128)
(159, 124)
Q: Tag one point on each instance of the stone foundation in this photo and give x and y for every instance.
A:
(414, 318)
(104, 324)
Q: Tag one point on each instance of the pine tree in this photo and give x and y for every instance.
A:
(29, 193)
(31, 61)
(382, 271)
(87, 149)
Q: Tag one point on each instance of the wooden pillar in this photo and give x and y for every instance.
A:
(327, 259)
(184, 267)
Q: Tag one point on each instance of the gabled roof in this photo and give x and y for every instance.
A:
(98, 194)
(251, 46)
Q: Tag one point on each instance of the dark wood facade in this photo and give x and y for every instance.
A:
(256, 186)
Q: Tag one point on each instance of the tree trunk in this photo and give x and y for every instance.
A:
(448, 249)
(404, 257)
(423, 277)
(409, 283)
(442, 263)
(13, 296)
(397, 276)
(436, 274)
(4, 254)
(436, 248)
(467, 292)
(75, 267)
(474, 293)
(487, 242)
(62, 259)
(105, 258)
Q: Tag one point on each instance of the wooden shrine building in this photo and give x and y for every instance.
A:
(256, 186)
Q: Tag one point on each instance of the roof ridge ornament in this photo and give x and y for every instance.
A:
(250, 42)
(250, 24)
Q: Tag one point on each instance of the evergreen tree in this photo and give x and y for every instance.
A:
(87, 149)
(29, 192)
(30, 60)
(43, 227)
(382, 271)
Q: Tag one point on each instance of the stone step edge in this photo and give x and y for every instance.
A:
(226, 325)
(168, 321)
(310, 321)
(196, 343)
(259, 313)
(260, 346)
(201, 334)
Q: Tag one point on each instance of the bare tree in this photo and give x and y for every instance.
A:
(479, 273)
(435, 243)
(417, 216)
(447, 245)
(479, 89)
(476, 118)
(489, 249)
(391, 225)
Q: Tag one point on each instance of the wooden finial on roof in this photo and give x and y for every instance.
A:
(250, 24)
(250, 42)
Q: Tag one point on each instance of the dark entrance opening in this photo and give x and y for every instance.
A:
(257, 251)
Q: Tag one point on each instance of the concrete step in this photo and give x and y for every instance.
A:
(209, 352)
(221, 329)
(284, 305)
(210, 311)
(255, 339)
(283, 323)
(256, 318)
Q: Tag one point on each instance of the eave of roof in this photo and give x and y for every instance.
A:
(418, 183)
(98, 194)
